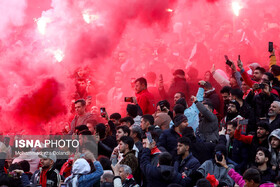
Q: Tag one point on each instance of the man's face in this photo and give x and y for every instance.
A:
(116, 122)
(260, 158)
(181, 148)
(91, 128)
(230, 131)
(125, 124)
(264, 78)
(232, 97)
(231, 108)
(275, 142)
(274, 109)
(123, 175)
(232, 82)
(257, 75)
(139, 87)
(80, 109)
(122, 57)
(225, 96)
(120, 134)
(46, 163)
(177, 96)
(122, 147)
(183, 125)
(144, 125)
(248, 183)
(261, 132)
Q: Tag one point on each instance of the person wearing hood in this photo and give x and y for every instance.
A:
(213, 167)
(274, 148)
(163, 174)
(82, 174)
(232, 114)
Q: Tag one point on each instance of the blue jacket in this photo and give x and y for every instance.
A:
(159, 176)
(192, 112)
(92, 178)
(188, 165)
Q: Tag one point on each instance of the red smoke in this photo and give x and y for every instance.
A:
(40, 106)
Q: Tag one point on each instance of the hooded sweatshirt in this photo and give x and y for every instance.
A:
(275, 157)
(81, 175)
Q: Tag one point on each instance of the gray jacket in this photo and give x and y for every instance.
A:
(275, 158)
(220, 173)
(208, 127)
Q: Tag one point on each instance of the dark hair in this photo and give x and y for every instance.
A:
(132, 110)
(182, 101)
(125, 129)
(182, 94)
(101, 130)
(237, 93)
(92, 121)
(137, 129)
(115, 116)
(252, 174)
(127, 140)
(85, 132)
(189, 133)
(208, 102)
(149, 118)
(164, 103)
(105, 162)
(82, 101)
(154, 135)
(24, 164)
(179, 109)
(275, 70)
(225, 89)
(91, 146)
(127, 119)
(81, 128)
(14, 166)
(266, 152)
(165, 158)
(141, 80)
(184, 140)
(233, 123)
(203, 183)
(262, 70)
(263, 124)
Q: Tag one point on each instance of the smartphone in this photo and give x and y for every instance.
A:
(228, 62)
(243, 122)
(149, 136)
(270, 47)
(114, 160)
(103, 111)
(161, 104)
(239, 58)
(128, 99)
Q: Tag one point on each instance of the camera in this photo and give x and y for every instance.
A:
(219, 156)
(161, 105)
(261, 86)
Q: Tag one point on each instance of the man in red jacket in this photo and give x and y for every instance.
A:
(144, 98)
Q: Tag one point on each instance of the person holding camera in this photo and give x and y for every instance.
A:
(214, 167)
(16, 177)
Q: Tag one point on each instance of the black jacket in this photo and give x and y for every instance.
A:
(275, 124)
(160, 176)
(188, 165)
(169, 139)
